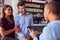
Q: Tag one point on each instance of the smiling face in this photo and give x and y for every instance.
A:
(22, 9)
(8, 11)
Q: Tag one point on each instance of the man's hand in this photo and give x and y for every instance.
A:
(33, 33)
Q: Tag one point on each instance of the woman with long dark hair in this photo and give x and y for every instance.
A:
(7, 28)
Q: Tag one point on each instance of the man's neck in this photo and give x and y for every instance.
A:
(23, 14)
(54, 18)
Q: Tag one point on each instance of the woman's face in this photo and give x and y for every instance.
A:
(8, 11)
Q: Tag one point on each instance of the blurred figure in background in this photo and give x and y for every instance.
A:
(52, 30)
(56, 0)
(22, 21)
(7, 29)
(52, 0)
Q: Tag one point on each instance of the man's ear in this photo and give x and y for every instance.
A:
(49, 11)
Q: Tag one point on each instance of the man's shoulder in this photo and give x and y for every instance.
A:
(49, 25)
(29, 15)
(54, 23)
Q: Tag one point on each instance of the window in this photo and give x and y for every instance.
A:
(1, 3)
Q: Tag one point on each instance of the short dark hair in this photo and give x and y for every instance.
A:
(21, 3)
(54, 7)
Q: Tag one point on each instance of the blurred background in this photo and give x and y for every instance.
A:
(13, 3)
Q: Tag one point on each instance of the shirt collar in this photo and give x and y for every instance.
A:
(22, 15)
(54, 22)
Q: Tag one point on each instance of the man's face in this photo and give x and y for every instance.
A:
(22, 9)
(46, 13)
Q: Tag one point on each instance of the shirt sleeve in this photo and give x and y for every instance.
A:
(16, 21)
(46, 34)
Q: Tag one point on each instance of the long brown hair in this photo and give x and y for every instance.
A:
(3, 13)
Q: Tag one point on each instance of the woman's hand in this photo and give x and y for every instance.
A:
(17, 29)
(27, 37)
